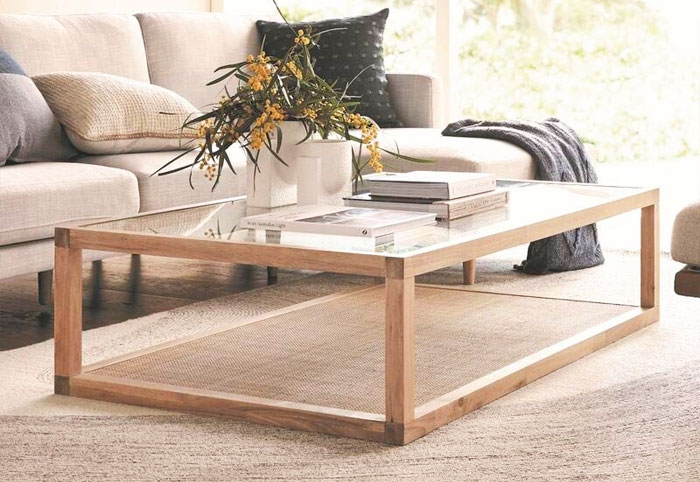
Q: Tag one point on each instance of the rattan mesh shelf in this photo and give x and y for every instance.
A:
(332, 353)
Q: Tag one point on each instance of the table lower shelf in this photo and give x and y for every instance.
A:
(320, 365)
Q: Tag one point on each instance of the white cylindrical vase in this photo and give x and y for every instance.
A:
(273, 184)
(324, 171)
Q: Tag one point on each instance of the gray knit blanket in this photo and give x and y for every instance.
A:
(560, 156)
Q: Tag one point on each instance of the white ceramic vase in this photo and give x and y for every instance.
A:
(324, 171)
(275, 184)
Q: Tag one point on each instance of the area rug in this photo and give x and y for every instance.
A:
(628, 412)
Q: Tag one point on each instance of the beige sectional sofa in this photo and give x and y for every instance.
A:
(178, 51)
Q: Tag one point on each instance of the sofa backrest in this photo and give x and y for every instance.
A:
(110, 44)
(178, 51)
(183, 49)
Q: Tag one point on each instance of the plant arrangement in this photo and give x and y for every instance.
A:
(272, 90)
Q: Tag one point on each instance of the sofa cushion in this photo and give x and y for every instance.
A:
(108, 114)
(500, 158)
(29, 130)
(184, 49)
(84, 43)
(685, 242)
(38, 196)
(350, 45)
(34, 256)
(172, 190)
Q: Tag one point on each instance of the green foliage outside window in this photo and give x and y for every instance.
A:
(615, 70)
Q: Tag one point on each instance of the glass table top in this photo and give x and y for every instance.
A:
(530, 203)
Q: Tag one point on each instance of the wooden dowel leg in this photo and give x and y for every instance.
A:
(68, 316)
(650, 257)
(399, 357)
(469, 268)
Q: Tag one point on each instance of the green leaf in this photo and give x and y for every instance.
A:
(170, 162)
(222, 77)
(237, 65)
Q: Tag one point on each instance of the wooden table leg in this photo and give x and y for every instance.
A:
(650, 257)
(469, 268)
(68, 317)
(399, 347)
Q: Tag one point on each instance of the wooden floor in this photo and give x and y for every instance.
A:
(119, 289)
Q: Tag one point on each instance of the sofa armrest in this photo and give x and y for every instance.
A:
(415, 98)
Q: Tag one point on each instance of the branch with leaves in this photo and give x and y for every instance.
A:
(272, 90)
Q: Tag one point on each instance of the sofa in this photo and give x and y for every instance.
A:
(178, 51)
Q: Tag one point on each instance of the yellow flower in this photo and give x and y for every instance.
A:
(308, 112)
(301, 38)
(265, 123)
(355, 120)
(375, 157)
(205, 128)
(211, 172)
(261, 71)
(293, 69)
(369, 131)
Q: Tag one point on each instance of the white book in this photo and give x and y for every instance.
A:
(429, 184)
(447, 209)
(340, 221)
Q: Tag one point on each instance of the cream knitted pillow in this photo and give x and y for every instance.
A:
(107, 114)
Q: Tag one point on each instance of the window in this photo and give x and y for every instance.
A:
(624, 73)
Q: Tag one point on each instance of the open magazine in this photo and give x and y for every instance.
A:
(341, 221)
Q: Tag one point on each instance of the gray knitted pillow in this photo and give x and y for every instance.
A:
(30, 131)
(341, 55)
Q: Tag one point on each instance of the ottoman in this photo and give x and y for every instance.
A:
(685, 248)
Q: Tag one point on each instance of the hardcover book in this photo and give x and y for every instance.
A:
(430, 184)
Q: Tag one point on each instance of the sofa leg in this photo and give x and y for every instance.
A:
(271, 275)
(45, 279)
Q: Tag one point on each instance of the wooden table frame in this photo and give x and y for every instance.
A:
(402, 422)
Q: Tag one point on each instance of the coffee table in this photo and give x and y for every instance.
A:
(388, 362)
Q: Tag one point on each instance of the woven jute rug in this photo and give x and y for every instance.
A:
(628, 412)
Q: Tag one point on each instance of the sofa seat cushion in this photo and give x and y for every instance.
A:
(173, 190)
(39, 196)
(685, 242)
(500, 158)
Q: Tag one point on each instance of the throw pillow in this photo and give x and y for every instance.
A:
(341, 55)
(29, 130)
(107, 114)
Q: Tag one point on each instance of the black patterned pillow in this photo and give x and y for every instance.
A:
(341, 55)
(29, 130)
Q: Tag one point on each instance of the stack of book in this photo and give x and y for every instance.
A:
(448, 195)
